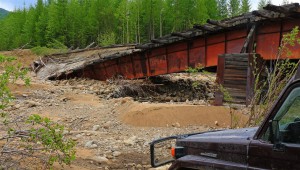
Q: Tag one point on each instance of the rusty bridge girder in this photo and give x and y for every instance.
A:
(199, 51)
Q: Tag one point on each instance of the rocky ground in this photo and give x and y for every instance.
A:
(114, 133)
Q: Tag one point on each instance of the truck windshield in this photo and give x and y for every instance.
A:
(290, 109)
(288, 118)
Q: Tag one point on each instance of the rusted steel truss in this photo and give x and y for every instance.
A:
(201, 45)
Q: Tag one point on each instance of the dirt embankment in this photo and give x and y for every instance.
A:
(177, 115)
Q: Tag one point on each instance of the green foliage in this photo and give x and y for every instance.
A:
(43, 138)
(11, 74)
(222, 9)
(77, 23)
(234, 7)
(245, 6)
(235, 120)
(285, 2)
(51, 138)
(107, 39)
(267, 88)
(226, 95)
(194, 70)
(41, 51)
(263, 3)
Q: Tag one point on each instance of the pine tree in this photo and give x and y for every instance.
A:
(285, 2)
(234, 7)
(212, 8)
(222, 9)
(245, 6)
(261, 4)
(201, 15)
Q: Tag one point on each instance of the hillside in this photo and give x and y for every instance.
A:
(3, 13)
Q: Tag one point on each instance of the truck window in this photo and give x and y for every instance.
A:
(288, 118)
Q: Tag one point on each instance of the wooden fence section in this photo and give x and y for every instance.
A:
(236, 75)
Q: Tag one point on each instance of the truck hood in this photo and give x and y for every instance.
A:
(231, 134)
(228, 145)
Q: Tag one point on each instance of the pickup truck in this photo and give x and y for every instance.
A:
(273, 145)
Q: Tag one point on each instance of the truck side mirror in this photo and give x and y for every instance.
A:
(274, 131)
(161, 151)
(274, 136)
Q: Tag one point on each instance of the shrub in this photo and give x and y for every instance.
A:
(267, 90)
(32, 138)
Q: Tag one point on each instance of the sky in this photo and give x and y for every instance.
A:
(10, 5)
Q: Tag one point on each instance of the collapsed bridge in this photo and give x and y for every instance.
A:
(225, 45)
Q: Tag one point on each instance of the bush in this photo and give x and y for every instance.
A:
(41, 51)
(267, 90)
(34, 138)
(107, 39)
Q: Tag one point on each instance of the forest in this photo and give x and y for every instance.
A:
(78, 23)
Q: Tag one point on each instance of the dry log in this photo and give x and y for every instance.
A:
(181, 35)
(283, 9)
(89, 46)
(217, 23)
(204, 28)
(158, 41)
(261, 13)
(250, 35)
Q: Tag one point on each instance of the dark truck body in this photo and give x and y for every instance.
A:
(273, 145)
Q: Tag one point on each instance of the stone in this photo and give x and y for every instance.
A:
(130, 141)
(74, 138)
(116, 153)
(177, 125)
(78, 136)
(66, 132)
(216, 123)
(109, 157)
(100, 159)
(139, 166)
(64, 99)
(210, 95)
(90, 144)
(96, 127)
(17, 106)
(32, 104)
(107, 125)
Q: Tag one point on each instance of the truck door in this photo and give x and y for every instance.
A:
(277, 145)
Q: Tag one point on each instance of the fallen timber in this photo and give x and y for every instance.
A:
(257, 32)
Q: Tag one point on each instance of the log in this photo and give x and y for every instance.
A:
(204, 28)
(217, 23)
(157, 41)
(282, 9)
(249, 37)
(89, 46)
(262, 14)
(181, 35)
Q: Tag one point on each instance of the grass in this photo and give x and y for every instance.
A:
(46, 51)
